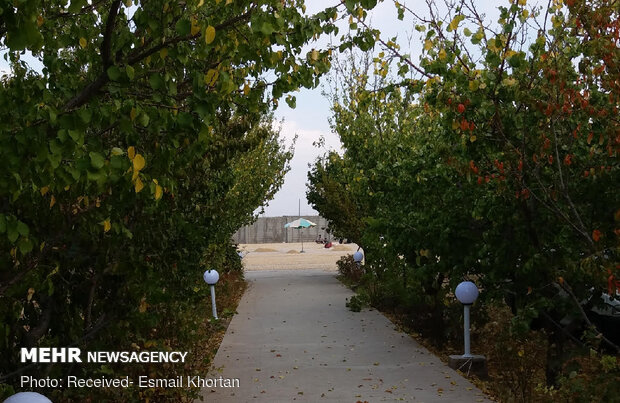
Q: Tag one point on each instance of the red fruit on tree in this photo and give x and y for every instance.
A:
(461, 108)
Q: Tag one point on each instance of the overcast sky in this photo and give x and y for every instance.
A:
(309, 120)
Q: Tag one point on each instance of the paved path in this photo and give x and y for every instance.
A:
(293, 339)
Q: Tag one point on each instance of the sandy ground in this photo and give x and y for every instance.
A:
(287, 256)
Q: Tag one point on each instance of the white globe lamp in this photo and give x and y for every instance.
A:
(358, 257)
(466, 292)
(211, 277)
(27, 397)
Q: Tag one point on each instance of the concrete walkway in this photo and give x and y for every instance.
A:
(293, 339)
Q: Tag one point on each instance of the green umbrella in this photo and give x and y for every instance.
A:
(300, 223)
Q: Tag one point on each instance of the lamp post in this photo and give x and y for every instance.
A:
(211, 277)
(466, 292)
(357, 258)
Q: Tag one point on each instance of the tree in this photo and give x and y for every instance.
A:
(515, 143)
(125, 160)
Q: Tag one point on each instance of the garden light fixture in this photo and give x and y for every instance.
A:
(466, 292)
(211, 277)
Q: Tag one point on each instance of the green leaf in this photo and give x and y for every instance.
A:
(291, 101)
(96, 160)
(76, 5)
(11, 232)
(2, 224)
(24, 245)
(74, 172)
(77, 136)
(116, 161)
(515, 60)
(54, 160)
(144, 119)
(183, 27)
(130, 72)
(266, 28)
(85, 114)
(22, 228)
(114, 73)
(95, 176)
(156, 81)
(55, 147)
(62, 135)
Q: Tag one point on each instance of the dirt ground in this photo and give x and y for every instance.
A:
(288, 256)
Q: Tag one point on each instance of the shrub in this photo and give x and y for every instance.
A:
(349, 270)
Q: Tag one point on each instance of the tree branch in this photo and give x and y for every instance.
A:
(103, 78)
(107, 36)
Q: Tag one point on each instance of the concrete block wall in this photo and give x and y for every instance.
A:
(271, 230)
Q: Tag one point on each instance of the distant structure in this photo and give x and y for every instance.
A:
(271, 230)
